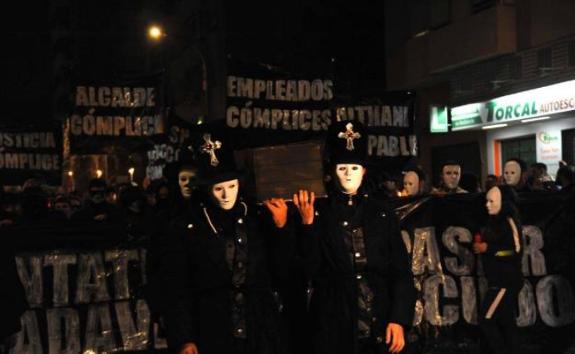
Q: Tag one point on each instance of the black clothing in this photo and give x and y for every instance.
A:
(177, 208)
(219, 283)
(502, 267)
(502, 260)
(501, 329)
(360, 273)
(91, 210)
(12, 297)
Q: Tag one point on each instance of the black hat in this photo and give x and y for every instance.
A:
(187, 158)
(215, 158)
(346, 143)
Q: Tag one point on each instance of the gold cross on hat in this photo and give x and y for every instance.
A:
(349, 135)
(210, 148)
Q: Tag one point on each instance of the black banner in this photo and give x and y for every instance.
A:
(84, 285)
(27, 152)
(166, 148)
(107, 116)
(438, 232)
(268, 107)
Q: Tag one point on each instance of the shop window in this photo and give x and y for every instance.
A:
(523, 148)
(568, 138)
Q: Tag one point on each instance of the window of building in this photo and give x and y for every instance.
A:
(440, 13)
(515, 68)
(571, 53)
(419, 16)
(480, 5)
(568, 142)
(544, 63)
(523, 148)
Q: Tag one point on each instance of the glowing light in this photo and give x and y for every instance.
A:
(131, 172)
(155, 32)
(71, 173)
(494, 126)
(99, 173)
(535, 119)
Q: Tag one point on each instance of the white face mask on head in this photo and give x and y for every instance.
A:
(184, 178)
(225, 194)
(451, 176)
(350, 177)
(411, 183)
(512, 173)
(493, 201)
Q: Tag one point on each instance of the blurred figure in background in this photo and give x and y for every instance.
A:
(62, 205)
(97, 208)
(136, 213)
(450, 177)
(515, 174)
(490, 182)
(539, 179)
(388, 185)
(9, 208)
(414, 182)
(565, 179)
(35, 207)
(470, 182)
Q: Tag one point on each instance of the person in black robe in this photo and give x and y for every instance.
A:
(221, 298)
(182, 183)
(363, 297)
(500, 247)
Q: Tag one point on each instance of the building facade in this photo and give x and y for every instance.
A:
(494, 79)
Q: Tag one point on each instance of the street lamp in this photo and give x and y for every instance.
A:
(156, 32)
(168, 41)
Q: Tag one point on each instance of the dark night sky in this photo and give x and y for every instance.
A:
(299, 36)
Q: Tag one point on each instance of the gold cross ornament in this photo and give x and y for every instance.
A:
(349, 135)
(210, 148)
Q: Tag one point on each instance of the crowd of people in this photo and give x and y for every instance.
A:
(103, 202)
(220, 270)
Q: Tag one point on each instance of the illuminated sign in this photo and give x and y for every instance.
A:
(542, 101)
(438, 120)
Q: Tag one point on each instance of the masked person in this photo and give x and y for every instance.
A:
(413, 182)
(174, 199)
(500, 246)
(221, 299)
(515, 174)
(450, 177)
(363, 296)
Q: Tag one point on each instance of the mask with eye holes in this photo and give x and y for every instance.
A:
(349, 177)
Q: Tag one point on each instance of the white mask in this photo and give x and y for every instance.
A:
(411, 183)
(512, 173)
(184, 179)
(451, 175)
(350, 177)
(225, 193)
(493, 201)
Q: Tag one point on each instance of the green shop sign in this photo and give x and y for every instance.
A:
(543, 101)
